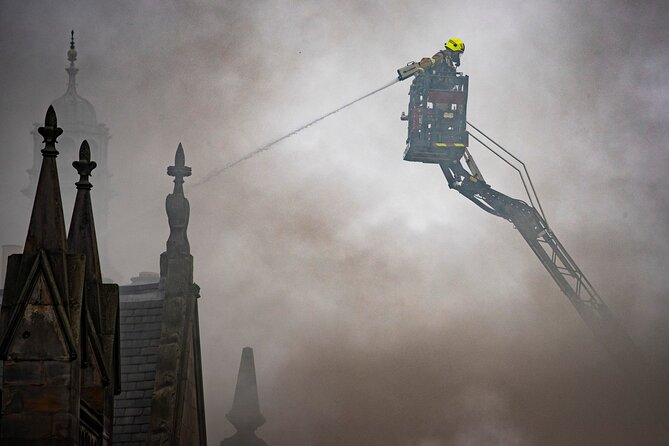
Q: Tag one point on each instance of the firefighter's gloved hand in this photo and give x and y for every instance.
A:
(426, 62)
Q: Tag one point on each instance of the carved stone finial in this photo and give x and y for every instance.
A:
(84, 151)
(84, 166)
(50, 132)
(178, 208)
(179, 171)
(179, 157)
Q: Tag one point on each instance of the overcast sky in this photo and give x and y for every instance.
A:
(383, 308)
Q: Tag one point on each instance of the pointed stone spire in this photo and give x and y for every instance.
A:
(81, 238)
(177, 404)
(178, 208)
(47, 225)
(245, 414)
(72, 70)
(40, 317)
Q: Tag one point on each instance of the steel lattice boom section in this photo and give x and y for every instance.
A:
(562, 268)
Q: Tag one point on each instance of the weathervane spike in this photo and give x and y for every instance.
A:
(71, 70)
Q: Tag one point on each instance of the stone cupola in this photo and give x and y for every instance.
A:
(78, 119)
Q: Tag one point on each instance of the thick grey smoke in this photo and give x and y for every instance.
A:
(383, 308)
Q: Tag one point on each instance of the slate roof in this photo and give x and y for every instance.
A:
(141, 316)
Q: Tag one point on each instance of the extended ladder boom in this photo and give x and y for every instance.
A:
(557, 261)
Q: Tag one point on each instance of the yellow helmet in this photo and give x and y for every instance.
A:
(456, 45)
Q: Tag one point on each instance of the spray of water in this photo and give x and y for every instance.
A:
(214, 173)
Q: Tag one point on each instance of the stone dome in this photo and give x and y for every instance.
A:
(73, 109)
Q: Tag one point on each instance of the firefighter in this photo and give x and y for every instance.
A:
(450, 55)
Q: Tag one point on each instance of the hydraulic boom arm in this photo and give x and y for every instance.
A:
(559, 264)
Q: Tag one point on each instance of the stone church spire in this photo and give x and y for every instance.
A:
(59, 322)
(98, 329)
(47, 224)
(81, 238)
(177, 404)
(40, 317)
(245, 414)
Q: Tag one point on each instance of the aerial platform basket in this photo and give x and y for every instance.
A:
(437, 117)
